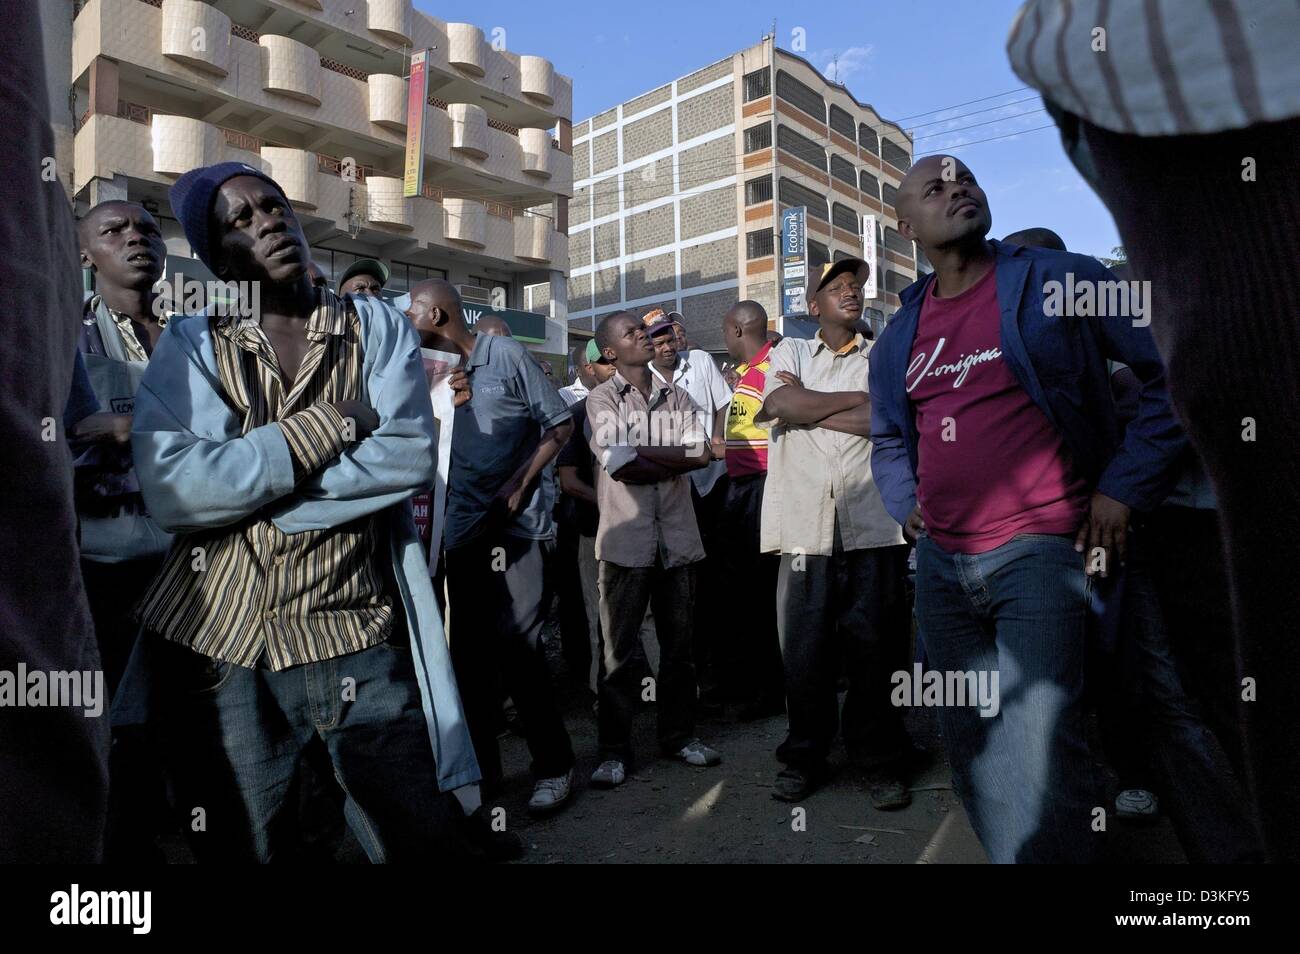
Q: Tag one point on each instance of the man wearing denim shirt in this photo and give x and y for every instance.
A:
(998, 449)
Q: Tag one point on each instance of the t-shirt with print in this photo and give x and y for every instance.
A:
(990, 465)
(746, 440)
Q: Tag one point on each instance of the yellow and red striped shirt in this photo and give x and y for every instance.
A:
(746, 441)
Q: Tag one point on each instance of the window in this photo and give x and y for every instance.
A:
(843, 170)
(922, 263)
(758, 84)
(818, 255)
(844, 217)
(841, 255)
(869, 184)
(794, 194)
(758, 137)
(404, 275)
(890, 194)
(896, 281)
(805, 97)
(758, 190)
(867, 139)
(498, 290)
(896, 243)
(894, 155)
(758, 244)
(842, 122)
(801, 147)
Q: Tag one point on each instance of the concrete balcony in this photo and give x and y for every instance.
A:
(196, 34)
(290, 68)
(181, 144)
(466, 222)
(536, 146)
(537, 79)
(388, 101)
(391, 19)
(466, 48)
(469, 129)
(385, 204)
(295, 170)
(532, 238)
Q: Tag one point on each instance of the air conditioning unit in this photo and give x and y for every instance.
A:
(474, 295)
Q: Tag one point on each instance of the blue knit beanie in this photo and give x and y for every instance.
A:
(194, 194)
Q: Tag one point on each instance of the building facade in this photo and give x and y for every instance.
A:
(314, 92)
(678, 192)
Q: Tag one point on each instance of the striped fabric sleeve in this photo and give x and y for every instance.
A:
(315, 437)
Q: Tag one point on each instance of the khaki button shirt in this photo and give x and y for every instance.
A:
(814, 475)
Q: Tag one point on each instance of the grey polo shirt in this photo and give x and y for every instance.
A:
(816, 476)
(512, 405)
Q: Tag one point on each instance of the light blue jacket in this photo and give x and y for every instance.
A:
(197, 470)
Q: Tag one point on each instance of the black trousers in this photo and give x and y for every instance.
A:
(625, 592)
(1226, 318)
(849, 606)
(497, 597)
(750, 649)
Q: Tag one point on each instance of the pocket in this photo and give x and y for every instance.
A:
(193, 673)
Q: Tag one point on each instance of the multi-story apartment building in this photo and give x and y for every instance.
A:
(314, 92)
(678, 192)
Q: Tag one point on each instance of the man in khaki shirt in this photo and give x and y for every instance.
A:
(843, 559)
(646, 436)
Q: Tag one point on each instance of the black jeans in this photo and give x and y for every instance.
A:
(625, 592)
(851, 606)
(1206, 805)
(497, 594)
(749, 644)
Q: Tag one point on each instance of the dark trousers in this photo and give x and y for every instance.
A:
(1227, 321)
(849, 606)
(232, 740)
(136, 790)
(751, 647)
(575, 635)
(1204, 802)
(497, 595)
(710, 665)
(625, 593)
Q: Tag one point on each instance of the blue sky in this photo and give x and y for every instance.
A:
(906, 58)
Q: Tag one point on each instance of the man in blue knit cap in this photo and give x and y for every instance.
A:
(294, 608)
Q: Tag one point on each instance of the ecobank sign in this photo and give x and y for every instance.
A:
(524, 325)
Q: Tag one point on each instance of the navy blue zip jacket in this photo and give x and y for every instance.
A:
(1061, 364)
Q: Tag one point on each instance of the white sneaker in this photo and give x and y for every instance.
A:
(698, 754)
(609, 774)
(550, 794)
(1137, 803)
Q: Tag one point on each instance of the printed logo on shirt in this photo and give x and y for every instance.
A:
(960, 368)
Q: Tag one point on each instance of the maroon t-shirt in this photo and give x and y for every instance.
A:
(989, 465)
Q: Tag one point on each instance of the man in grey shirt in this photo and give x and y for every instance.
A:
(496, 536)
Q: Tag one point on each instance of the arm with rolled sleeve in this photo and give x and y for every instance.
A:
(891, 468)
(1146, 465)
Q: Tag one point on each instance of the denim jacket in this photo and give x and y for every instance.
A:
(1061, 364)
(196, 470)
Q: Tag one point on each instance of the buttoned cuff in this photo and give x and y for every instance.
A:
(617, 457)
(315, 436)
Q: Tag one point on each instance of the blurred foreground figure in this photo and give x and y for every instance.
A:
(1194, 154)
(53, 758)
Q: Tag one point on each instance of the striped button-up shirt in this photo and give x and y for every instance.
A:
(233, 592)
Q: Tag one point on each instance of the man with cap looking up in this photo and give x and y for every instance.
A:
(696, 373)
(365, 276)
(840, 586)
(584, 375)
(294, 608)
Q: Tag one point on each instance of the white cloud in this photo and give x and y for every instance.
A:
(840, 65)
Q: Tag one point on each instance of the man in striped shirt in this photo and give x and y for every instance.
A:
(282, 449)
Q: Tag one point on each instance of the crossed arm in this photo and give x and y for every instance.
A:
(793, 404)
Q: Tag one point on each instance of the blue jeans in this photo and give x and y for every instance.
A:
(1023, 775)
(232, 738)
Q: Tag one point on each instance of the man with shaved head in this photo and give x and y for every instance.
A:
(498, 533)
(753, 643)
(493, 325)
(1036, 238)
(998, 450)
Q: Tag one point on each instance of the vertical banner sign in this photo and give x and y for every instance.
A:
(869, 255)
(794, 261)
(417, 95)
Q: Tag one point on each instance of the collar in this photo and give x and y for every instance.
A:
(681, 367)
(856, 342)
(622, 385)
(479, 354)
(329, 317)
(759, 358)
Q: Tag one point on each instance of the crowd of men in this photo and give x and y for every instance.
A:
(987, 488)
